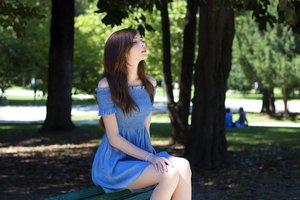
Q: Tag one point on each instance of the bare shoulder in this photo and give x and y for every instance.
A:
(103, 83)
(152, 80)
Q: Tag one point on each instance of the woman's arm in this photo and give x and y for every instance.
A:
(148, 122)
(117, 141)
(148, 119)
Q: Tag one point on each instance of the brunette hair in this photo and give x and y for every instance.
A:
(116, 49)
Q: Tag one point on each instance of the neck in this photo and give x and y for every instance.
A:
(132, 73)
(132, 79)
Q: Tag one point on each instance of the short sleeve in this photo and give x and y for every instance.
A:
(105, 104)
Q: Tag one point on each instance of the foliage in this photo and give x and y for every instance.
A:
(267, 57)
(14, 14)
(24, 50)
(91, 34)
(286, 12)
(116, 11)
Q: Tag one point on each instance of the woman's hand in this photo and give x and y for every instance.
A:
(161, 164)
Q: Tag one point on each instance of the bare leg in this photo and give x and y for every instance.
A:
(167, 182)
(184, 187)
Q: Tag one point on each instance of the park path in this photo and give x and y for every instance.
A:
(29, 114)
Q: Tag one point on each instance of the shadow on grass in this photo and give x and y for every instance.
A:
(283, 116)
(264, 163)
(27, 134)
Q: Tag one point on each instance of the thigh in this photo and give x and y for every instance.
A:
(147, 178)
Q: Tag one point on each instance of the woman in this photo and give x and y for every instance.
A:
(125, 157)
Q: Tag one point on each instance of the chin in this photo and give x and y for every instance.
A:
(144, 57)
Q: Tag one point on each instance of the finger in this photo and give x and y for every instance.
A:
(168, 162)
(161, 165)
(156, 166)
(164, 167)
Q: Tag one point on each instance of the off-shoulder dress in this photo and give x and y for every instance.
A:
(112, 169)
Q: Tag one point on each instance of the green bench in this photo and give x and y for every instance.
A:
(97, 193)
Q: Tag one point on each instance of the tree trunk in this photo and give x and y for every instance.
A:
(179, 112)
(268, 105)
(167, 51)
(207, 146)
(60, 70)
(285, 95)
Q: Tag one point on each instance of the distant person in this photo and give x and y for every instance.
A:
(242, 121)
(228, 119)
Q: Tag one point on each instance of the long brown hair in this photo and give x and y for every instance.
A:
(116, 49)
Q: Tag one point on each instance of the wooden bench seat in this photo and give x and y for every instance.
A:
(97, 193)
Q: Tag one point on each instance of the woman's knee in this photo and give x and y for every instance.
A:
(171, 175)
(183, 166)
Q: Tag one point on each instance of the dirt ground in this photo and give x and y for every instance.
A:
(37, 167)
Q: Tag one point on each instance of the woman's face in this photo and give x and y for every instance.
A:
(138, 51)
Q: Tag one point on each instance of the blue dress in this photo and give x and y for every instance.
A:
(112, 169)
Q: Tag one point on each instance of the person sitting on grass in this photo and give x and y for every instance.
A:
(228, 119)
(242, 121)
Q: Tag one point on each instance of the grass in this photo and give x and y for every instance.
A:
(264, 161)
(252, 94)
(264, 164)
(263, 137)
(238, 139)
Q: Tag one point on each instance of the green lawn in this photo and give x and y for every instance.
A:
(265, 137)
(238, 139)
(252, 94)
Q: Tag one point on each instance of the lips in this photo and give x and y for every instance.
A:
(144, 51)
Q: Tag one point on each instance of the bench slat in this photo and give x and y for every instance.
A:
(141, 196)
(97, 193)
(110, 196)
(81, 194)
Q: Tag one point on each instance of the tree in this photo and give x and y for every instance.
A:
(207, 144)
(14, 18)
(60, 68)
(180, 111)
(266, 57)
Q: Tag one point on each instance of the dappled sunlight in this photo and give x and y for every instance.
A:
(50, 168)
(25, 151)
(258, 157)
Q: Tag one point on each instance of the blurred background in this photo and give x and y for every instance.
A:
(205, 55)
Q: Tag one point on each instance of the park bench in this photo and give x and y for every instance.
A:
(97, 193)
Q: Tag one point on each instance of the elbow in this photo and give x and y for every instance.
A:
(114, 141)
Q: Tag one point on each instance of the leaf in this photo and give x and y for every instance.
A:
(290, 14)
(143, 18)
(141, 29)
(282, 4)
(149, 28)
